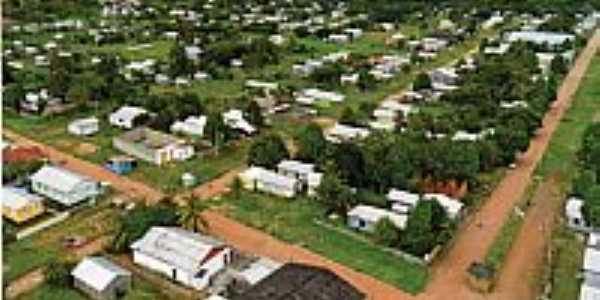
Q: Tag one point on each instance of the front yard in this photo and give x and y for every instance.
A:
(293, 221)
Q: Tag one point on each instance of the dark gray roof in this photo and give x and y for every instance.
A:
(302, 282)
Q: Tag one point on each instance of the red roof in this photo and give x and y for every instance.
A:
(22, 154)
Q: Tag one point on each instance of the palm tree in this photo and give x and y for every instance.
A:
(190, 214)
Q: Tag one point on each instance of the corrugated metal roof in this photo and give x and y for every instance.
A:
(98, 272)
(17, 198)
(59, 178)
(183, 249)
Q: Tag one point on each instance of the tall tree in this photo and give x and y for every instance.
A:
(311, 143)
(190, 214)
(267, 151)
(254, 114)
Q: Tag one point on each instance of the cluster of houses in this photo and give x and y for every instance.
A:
(291, 178)
(401, 203)
(203, 263)
(49, 184)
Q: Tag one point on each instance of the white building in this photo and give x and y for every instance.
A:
(192, 125)
(313, 95)
(234, 118)
(402, 201)
(364, 218)
(86, 126)
(452, 206)
(552, 39)
(261, 179)
(186, 257)
(574, 214)
(304, 172)
(99, 278)
(124, 117)
(63, 186)
(340, 132)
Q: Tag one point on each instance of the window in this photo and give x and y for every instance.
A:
(200, 273)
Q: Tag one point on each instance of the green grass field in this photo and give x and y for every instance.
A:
(293, 221)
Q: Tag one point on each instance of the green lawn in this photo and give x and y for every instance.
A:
(141, 290)
(52, 131)
(37, 250)
(568, 255)
(294, 222)
(561, 157)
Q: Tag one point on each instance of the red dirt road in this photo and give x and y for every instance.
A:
(124, 185)
(472, 243)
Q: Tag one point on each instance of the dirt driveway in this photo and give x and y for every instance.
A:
(132, 188)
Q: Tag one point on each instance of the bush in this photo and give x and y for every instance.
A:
(385, 232)
(58, 274)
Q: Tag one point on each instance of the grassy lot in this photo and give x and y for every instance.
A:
(568, 255)
(52, 131)
(294, 222)
(499, 249)
(37, 250)
(141, 290)
(561, 157)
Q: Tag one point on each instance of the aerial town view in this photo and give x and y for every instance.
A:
(300, 149)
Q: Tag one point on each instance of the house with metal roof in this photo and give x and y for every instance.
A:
(552, 39)
(574, 213)
(341, 132)
(261, 179)
(124, 117)
(298, 281)
(63, 186)
(364, 217)
(101, 279)
(189, 258)
(304, 172)
(192, 125)
(153, 146)
(85, 126)
(18, 205)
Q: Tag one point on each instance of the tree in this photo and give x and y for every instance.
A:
(236, 188)
(426, 227)
(334, 194)
(254, 114)
(559, 65)
(267, 151)
(190, 214)
(13, 95)
(591, 206)
(134, 224)
(583, 184)
(216, 131)
(178, 62)
(311, 143)
(366, 81)
(386, 232)
(349, 117)
(59, 76)
(58, 274)
(422, 82)
(350, 162)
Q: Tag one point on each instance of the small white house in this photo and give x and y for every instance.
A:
(63, 186)
(574, 214)
(261, 179)
(403, 201)
(452, 206)
(124, 117)
(101, 279)
(234, 118)
(85, 126)
(341, 132)
(304, 172)
(189, 258)
(192, 125)
(365, 217)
